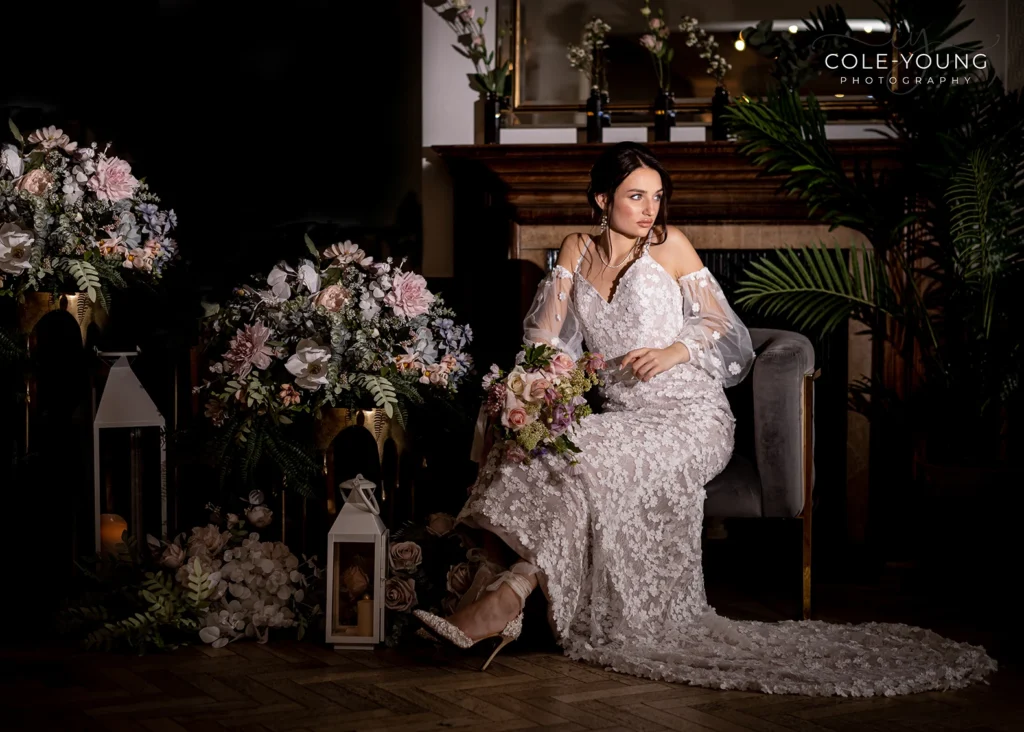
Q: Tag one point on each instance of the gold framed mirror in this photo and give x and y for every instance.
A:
(545, 90)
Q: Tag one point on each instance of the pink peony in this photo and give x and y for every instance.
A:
(332, 298)
(113, 180)
(409, 295)
(249, 348)
(37, 182)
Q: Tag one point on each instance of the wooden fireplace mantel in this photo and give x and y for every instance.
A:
(713, 182)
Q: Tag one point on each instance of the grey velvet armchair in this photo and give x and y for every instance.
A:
(774, 476)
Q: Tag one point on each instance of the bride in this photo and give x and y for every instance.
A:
(615, 544)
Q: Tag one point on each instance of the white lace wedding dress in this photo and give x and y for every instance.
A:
(618, 545)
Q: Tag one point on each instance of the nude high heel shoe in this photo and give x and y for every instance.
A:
(509, 633)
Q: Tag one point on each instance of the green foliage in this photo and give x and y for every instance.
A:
(86, 277)
(383, 392)
(946, 264)
(246, 445)
(10, 350)
(138, 609)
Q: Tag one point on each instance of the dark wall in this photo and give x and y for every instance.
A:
(244, 120)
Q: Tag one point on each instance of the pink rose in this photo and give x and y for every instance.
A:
(562, 363)
(409, 295)
(113, 180)
(648, 41)
(405, 555)
(655, 23)
(399, 593)
(440, 524)
(332, 298)
(355, 580)
(539, 387)
(459, 578)
(515, 418)
(37, 182)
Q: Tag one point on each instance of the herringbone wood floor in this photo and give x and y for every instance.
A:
(305, 686)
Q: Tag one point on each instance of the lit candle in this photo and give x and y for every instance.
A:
(365, 616)
(111, 528)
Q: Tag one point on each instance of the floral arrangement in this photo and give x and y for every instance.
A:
(219, 584)
(338, 330)
(707, 45)
(656, 42)
(537, 403)
(76, 218)
(469, 31)
(588, 58)
(431, 567)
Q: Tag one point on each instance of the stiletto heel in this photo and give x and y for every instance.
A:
(509, 633)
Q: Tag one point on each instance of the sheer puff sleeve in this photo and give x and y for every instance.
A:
(551, 319)
(716, 338)
(552, 316)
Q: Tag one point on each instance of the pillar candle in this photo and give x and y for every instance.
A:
(365, 621)
(111, 528)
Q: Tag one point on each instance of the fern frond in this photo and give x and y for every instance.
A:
(86, 277)
(383, 392)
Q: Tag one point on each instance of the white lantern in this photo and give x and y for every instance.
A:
(127, 413)
(357, 552)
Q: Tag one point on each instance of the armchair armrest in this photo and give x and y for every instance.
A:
(784, 363)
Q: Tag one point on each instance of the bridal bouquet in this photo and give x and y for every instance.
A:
(337, 330)
(76, 219)
(537, 403)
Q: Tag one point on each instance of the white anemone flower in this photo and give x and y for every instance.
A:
(309, 364)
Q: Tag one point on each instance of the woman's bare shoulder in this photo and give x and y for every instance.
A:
(571, 249)
(678, 252)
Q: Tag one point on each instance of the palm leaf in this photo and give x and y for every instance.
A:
(816, 289)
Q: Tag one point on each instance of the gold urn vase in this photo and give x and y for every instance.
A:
(367, 441)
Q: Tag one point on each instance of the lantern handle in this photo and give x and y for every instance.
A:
(360, 494)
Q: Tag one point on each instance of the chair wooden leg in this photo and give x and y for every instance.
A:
(808, 467)
(807, 563)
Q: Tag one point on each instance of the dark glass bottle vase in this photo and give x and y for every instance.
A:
(492, 118)
(596, 115)
(719, 102)
(664, 116)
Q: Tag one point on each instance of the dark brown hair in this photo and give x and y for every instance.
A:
(614, 165)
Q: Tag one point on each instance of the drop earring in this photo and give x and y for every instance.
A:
(604, 221)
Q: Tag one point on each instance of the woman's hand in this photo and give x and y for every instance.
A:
(649, 362)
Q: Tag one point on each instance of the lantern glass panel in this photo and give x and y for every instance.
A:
(130, 478)
(355, 581)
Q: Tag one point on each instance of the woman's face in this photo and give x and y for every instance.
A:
(636, 203)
